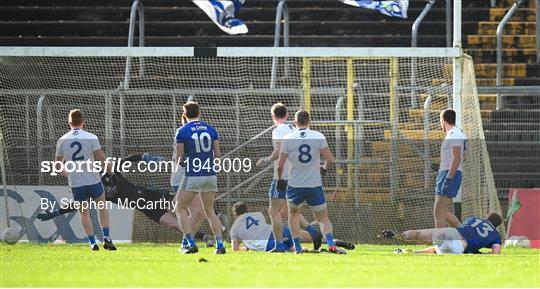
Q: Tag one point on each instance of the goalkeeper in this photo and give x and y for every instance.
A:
(119, 189)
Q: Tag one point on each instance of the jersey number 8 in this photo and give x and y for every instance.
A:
(305, 153)
(203, 142)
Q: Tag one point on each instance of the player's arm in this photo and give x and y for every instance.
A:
(47, 215)
(179, 153)
(456, 160)
(100, 156)
(496, 249)
(328, 157)
(428, 250)
(272, 157)
(281, 164)
(58, 160)
(236, 246)
(217, 149)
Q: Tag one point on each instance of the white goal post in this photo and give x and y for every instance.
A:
(358, 98)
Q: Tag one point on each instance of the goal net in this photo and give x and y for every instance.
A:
(378, 109)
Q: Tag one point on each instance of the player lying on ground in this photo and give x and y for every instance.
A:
(251, 229)
(303, 148)
(468, 238)
(118, 188)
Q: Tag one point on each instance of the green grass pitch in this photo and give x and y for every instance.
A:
(143, 265)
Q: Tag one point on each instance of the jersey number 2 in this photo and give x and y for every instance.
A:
(76, 156)
(250, 221)
(203, 142)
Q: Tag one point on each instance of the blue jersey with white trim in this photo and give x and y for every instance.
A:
(479, 234)
(198, 138)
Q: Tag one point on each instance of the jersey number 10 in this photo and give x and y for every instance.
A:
(203, 142)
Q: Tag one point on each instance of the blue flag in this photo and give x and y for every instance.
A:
(394, 8)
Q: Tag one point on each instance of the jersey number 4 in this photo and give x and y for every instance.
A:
(250, 221)
(484, 230)
(203, 142)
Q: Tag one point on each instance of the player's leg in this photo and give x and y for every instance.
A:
(295, 198)
(317, 203)
(184, 199)
(294, 226)
(311, 228)
(441, 210)
(277, 204)
(208, 199)
(422, 235)
(208, 196)
(80, 195)
(97, 193)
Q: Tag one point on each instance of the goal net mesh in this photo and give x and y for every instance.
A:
(371, 111)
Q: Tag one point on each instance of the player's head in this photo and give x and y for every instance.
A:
(239, 208)
(279, 112)
(191, 110)
(76, 118)
(495, 219)
(447, 118)
(302, 118)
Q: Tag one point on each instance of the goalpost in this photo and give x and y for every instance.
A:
(358, 97)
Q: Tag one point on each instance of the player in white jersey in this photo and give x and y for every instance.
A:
(251, 229)
(277, 197)
(448, 180)
(80, 148)
(303, 148)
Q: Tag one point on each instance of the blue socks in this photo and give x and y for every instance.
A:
(329, 239)
(297, 245)
(91, 239)
(184, 242)
(190, 240)
(219, 241)
(312, 232)
(106, 233)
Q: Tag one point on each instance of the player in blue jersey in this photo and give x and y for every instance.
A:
(197, 144)
(468, 238)
(304, 148)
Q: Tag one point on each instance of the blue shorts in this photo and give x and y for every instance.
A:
(273, 193)
(453, 187)
(287, 240)
(91, 191)
(314, 197)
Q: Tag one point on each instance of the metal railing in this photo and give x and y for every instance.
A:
(136, 8)
(500, 31)
(414, 43)
(282, 16)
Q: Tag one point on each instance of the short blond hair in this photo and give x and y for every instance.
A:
(76, 117)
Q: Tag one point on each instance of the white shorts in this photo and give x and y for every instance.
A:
(448, 241)
(200, 184)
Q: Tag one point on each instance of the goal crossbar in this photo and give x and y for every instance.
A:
(385, 52)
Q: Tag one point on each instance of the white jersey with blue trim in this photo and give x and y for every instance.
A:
(279, 133)
(455, 137)
(79, 146)
(303, 148)
(252, 230)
